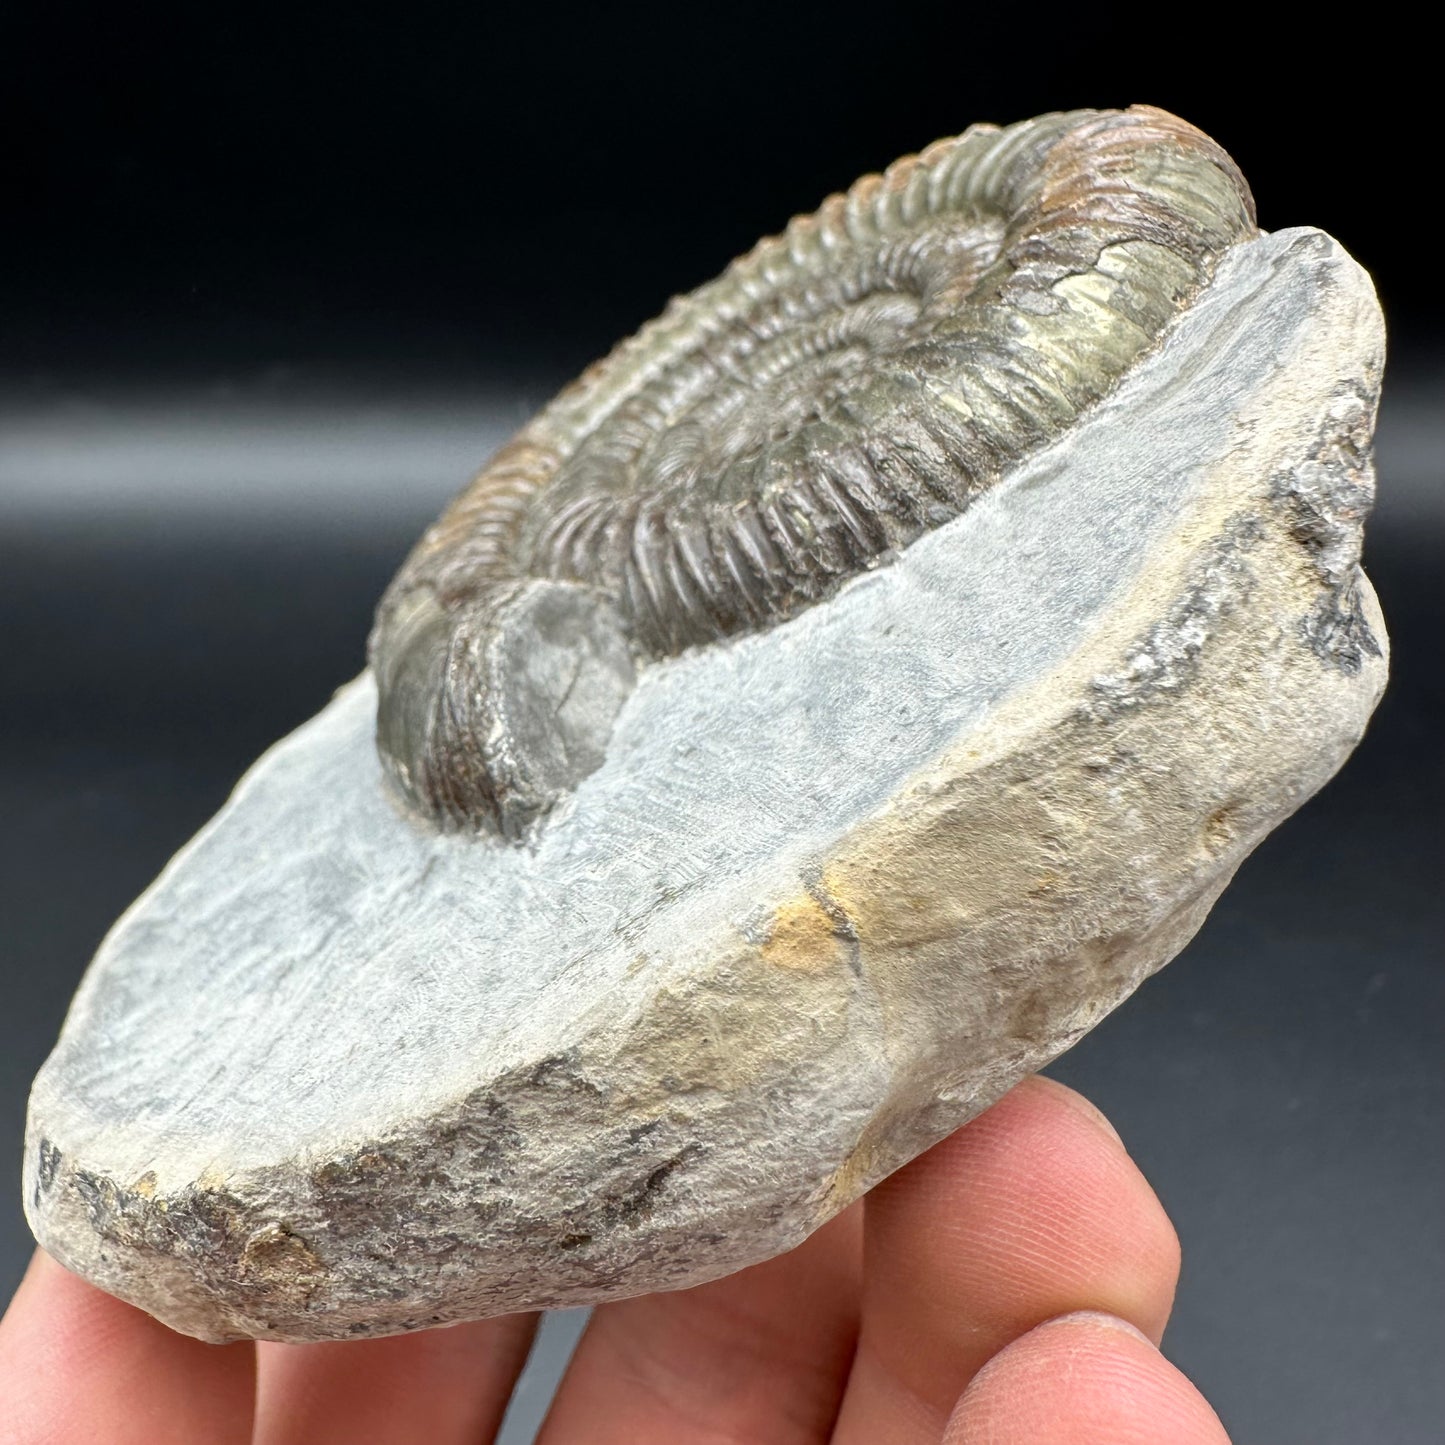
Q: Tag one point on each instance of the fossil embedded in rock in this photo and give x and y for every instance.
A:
(835, 393)
(817, 719)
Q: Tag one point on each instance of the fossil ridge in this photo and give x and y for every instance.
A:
(836, 393)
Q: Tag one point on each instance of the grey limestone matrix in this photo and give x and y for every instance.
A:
(816, 719)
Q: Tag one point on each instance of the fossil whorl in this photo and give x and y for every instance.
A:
(835, 393)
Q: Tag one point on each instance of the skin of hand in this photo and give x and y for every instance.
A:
(1009, 1287)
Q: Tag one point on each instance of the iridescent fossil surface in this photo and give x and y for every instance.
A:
(785, 747)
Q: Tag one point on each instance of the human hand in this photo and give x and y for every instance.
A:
(1006, 1288)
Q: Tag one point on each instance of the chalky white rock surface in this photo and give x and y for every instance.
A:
(836, 887)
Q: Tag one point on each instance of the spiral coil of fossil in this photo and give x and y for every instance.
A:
(841, 389)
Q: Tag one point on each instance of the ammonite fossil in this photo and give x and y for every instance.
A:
(836, 392)
(817, 719)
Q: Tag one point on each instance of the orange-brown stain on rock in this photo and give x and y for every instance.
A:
(1219, 828)
(849, 1180)
(903, 902)
(803, 936)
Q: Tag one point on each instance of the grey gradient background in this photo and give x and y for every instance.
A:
(270, 289)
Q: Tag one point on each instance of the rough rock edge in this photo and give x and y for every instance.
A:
(322, 1252)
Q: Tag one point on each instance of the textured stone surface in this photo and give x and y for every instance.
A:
(833, 889)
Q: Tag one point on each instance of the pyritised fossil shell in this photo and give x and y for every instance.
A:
(843, 388)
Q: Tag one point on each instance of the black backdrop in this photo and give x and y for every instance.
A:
(522, 184)
(286, 238)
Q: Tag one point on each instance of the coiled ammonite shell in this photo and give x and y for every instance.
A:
(835, 393)
(718, 875)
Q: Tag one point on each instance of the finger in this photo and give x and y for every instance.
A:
(76, 1364)
(1085, 1379)
(441, 1386)
(761, 1356)
(1031, 1211)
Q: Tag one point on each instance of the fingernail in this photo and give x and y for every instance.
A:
(1101, 1319)
(1081, 1105)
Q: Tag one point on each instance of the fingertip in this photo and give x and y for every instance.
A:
(1042, 1085)
(1038, 1206)
(1031, 1211)
(439, 1386)
(76, 1363)
(58, 1317)
(1085, 1378)
(1144, 1231)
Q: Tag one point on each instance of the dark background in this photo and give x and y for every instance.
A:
(272, 283)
